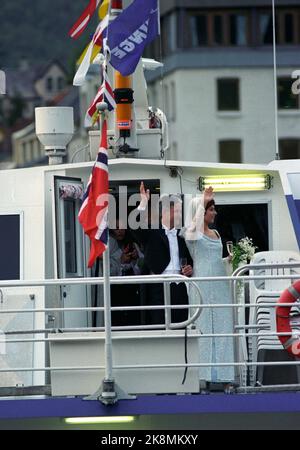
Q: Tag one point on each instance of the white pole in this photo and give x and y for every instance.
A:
(107, 315)
(275, 81)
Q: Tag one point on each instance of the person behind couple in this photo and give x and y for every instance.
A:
(205, 246)
(125, 260)
(163, 250)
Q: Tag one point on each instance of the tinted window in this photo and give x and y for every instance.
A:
(10, 247)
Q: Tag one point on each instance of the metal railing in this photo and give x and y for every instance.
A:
(240, 332)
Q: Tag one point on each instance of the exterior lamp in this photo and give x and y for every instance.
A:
(95, 420)
(236, 183)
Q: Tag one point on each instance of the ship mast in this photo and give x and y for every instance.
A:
(124, 115)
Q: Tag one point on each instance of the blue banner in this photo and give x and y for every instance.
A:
(130, 32)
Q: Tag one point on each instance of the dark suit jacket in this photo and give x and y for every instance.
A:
(157, 251)
(156, 259)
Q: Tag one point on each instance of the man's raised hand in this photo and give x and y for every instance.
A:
(145, 195)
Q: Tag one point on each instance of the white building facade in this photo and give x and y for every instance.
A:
(217, 86)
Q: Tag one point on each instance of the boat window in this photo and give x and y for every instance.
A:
(235, 222)
(10, 244)
(70, 236)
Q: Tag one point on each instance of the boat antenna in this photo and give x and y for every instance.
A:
(277, 156)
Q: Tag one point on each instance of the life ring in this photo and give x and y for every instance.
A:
(290, 343)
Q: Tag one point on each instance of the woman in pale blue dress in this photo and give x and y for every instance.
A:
(205, 246)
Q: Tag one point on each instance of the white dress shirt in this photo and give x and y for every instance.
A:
(174, 264)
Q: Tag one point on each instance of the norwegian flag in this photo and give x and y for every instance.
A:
(93, 214)
(104, 94)
(81, 24)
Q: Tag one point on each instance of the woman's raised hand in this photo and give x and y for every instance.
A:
(208, 195)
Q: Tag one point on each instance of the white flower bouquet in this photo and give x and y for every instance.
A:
(243, 251)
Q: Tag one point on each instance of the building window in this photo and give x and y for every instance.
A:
(266, 28)
(198, 29)
(60, 83)
(230, 151)
(238, 29)
(169, 33)
(228, 94)
(49, 84)
(218, 29)
(286, 98)
(288, 23)
(289, 29)
(289, 148)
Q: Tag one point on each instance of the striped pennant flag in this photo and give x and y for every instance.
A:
(93, 214)
(81, 24)
(102, 12)
(92, 51)
(104, 94)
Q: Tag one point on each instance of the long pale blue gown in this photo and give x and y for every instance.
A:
(207, 256)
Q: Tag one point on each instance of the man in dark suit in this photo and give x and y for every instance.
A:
(165, 252)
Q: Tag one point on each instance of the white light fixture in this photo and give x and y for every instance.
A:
(54, 127)
(231, 183)
(104, 419)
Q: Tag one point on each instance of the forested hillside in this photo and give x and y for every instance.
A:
(37, 30)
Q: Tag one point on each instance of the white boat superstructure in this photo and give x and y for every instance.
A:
(48, 298)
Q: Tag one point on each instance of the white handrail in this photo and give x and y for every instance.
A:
(166, 280)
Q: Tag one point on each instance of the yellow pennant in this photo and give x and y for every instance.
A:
(103, 10)
(96, 50)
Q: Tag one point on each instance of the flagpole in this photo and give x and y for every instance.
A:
(277, 156)
(109, 392)
(106, 393)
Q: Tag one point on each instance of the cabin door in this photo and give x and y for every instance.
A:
(70, 250)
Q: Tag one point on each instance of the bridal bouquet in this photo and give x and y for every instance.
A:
(243, 251)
